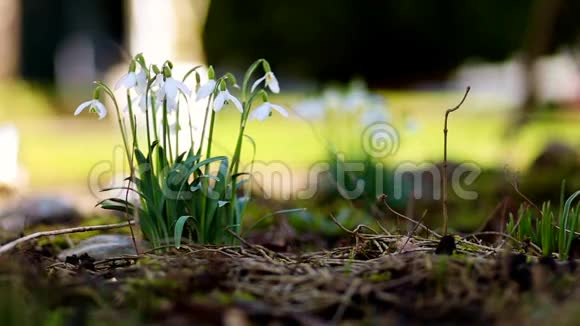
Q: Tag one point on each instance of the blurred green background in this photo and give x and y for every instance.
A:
(418, 55)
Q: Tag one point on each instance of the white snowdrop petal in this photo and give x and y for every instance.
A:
(219, 101)
(101, 110)
(236, 102)
(183, 88)
(280, 109)
(205, 90)
(272, 82)
(83, 106)
(256, 83)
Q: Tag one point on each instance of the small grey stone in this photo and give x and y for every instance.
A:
(104, 246)
(31, 211)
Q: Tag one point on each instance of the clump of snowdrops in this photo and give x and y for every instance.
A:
(183, 193)
(357, 129)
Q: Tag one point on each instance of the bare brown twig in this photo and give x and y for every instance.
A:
(444, 179)
(384, 199)
(11, 245)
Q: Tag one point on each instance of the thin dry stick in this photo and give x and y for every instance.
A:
(514, 184)
(482, 226)
(346, 299)
(505, 235)
(444, 201)
(9, 246)
(413, 231)
(384, 199)
(356, 230)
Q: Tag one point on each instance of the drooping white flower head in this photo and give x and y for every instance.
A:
(137, 82)
(134, 80)
(223, 98)
(208, 87)
(94, 106)
(128, 81)
(205, 90)
(265, 110)
(169, 89)
(271, 82)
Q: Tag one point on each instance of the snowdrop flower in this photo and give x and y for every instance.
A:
(265, 110)
(138, 82)
(94, 106)
(354, 99)
(205, 90)
(332, 98)
(375, 109)
(312, 109)
(168, 91)
(369, 117)
(223, 98)
(271, 82)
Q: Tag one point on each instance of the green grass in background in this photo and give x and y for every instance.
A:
(61, 150)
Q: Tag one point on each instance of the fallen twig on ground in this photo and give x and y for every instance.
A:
(11, 245)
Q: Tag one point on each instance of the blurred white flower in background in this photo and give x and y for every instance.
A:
(332, 98)
(310, 109)
(356, 102)
(356, 97)
(375, 110)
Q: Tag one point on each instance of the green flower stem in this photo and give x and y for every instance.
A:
(234, 221)
(247, 77)
(204, 181)
(207, 109)
(210, 138)
(147, 124)
(167, 134)
(176, 131)
(190, 130)
(154, 117)
(119, 117)
(149, 102)
(133, 121)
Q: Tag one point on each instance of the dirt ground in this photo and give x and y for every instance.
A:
(375, 279)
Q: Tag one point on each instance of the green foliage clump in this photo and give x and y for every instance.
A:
(552, 232)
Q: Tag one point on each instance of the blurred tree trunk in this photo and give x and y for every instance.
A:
(539, 35)
(10, 38)
(169, 29)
